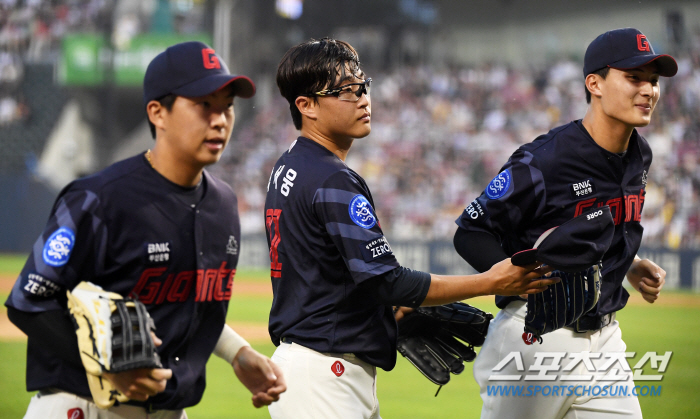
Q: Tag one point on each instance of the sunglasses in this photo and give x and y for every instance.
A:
(351, 92)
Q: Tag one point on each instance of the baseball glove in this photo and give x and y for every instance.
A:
(438, 340)
(114, 335)
(563, 303)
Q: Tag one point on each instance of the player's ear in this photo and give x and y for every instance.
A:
(307, 106)
(156, 113)
(593, 84)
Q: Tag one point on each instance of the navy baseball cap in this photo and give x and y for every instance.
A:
(575, 245)
(625, 49)
(191, 69)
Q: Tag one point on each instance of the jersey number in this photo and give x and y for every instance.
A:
(272, 223)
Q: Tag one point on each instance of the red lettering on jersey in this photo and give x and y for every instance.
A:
(627, 208)
(209, 284)
(632, 208)
(615, 209)
(583, 205)
(75, 413)
(642, 43)
(152, 288)
(221, 280)
(200, 285)
(210, 279)
(181, 287)
(272, 217)
(164, 290)
(338, 368)
(210, 59)
(229, 286)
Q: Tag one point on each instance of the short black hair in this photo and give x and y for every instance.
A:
(603, 72)
(167, 102)
(313, 66)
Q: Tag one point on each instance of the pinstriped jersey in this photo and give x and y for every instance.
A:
(325, 241)
(555, 178)
(131, 231)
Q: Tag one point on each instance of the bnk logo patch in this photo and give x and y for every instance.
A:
(361, 212)
(58, 247)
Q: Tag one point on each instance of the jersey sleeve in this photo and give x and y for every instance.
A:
(345, 208)
(514, 196)
(68, 251)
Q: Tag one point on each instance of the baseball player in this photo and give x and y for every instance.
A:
(596, 161)
(334, 275)
(156, 227)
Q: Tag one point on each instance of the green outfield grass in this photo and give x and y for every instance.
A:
(404, 393)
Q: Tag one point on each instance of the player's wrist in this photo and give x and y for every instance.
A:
(229, 344)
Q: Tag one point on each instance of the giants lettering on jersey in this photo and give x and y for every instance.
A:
(624, 209)
(209, 285)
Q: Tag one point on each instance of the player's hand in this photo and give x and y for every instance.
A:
(647, 278)
(260, 375)
(140, 384)
(509, 279)
(400, 312)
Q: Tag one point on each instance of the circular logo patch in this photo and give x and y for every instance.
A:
(361, 212)
(58, 247)
(499, 185)
(338, 368)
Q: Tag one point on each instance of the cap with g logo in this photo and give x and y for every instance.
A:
(191, 69)
(625, 49)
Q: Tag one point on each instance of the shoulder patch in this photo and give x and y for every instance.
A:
(36, 286)
(499, 185)
(375, 248)
(58, 247)
(361, 212)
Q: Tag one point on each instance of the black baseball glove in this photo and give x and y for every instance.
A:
(438, 340)
(114, 335)
(563, 303)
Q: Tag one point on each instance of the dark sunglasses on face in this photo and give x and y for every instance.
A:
(351, 92)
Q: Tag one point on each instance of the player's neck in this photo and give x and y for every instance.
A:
(609, 133)
(339, 147)
(180, 173)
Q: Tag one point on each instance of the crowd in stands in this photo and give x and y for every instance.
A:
(13, 107)
(439, 134)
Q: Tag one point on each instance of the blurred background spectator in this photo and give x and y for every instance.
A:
(454, 94)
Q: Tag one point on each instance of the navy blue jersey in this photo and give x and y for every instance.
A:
(129, 230)
(325, 240)
(555, 178)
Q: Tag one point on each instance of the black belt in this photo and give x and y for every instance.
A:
(147, 406)
(593, 323)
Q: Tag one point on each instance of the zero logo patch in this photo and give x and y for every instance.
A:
(581, 189)
(375, 248)
(361, 212)
(499, 185)
(58, 247)
(337, 368)
(474, 210)
(37, 286)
